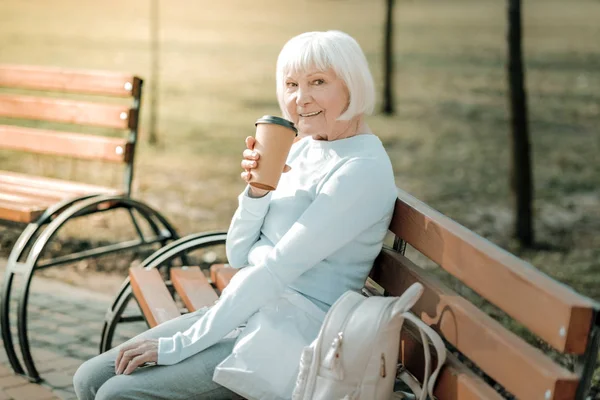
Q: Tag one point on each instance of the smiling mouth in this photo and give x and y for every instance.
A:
(312, 114)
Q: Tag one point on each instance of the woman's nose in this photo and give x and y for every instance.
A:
(302, 97)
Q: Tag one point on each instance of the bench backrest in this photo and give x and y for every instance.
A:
(41, 107)
(552, 311)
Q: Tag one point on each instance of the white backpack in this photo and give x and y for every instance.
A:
(356, 353)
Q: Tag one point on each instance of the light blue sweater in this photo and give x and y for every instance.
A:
(317, 234)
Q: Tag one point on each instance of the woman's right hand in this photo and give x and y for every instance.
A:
(250, 162)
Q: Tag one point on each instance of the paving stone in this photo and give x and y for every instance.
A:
(43, 368)
(64, 394)
(66, 319)
(55, 340)
(43, 355)
(61, 363)
(88, 315)
(70, 371)
(13, 381)
(40, 329)
(82, 351)
(69, 330)
(30, 392)
(58, 379)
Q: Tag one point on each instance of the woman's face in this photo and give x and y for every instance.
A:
(314, 100)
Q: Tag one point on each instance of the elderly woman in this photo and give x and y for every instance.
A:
(299, 247)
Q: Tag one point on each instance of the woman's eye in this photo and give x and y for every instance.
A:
(318, 82)
(291, 84)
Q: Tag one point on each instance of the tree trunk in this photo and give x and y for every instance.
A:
(154, 71)
(388, 53)
(520, 172)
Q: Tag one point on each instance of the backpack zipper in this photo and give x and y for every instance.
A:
(317, 351)
(333, 354)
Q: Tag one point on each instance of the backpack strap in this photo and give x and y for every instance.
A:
(429, 379)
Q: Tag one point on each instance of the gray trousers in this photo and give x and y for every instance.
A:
(189, 379)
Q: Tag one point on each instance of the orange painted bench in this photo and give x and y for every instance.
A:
(486, 360)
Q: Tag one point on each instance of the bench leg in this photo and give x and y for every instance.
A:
(13, 268)
(163, 232)
(7, 341)
(399, 245)
(16, 267)
(586, 365)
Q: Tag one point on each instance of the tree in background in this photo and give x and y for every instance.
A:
(520, 171)
(154, 70)
(388, 65)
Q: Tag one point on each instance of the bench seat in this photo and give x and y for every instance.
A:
(221, 274)
(157, 303)
(23, 198)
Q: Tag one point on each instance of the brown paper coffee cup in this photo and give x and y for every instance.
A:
(274, 138)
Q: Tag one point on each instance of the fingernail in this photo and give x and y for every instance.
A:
(254, 154)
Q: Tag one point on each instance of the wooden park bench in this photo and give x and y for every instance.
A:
(486, 360)
(57, 114)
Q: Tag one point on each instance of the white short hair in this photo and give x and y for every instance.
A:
(323, 50)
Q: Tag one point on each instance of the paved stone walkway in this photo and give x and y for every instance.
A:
(64, 324)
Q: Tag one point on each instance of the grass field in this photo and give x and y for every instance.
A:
(449, 141)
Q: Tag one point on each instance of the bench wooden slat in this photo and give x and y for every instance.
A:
(56, 195)
(65, 80)
(455, 382)
(503, 355)
(68, 144)
(551, 310)
(193, 287)
(221, 274)
(27, 199)
(58, 185)
(153, 296)
(67, 111)
(18, 212)
(24, 198)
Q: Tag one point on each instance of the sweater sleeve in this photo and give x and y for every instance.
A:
(244, 229)
(352, 199)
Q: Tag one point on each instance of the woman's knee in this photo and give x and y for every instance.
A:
(90, 376)
(114, 389)
(83, 382)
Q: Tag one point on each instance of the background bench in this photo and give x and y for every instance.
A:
(60, 114)
(486, 360)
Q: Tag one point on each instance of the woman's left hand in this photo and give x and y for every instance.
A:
(135, 355)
